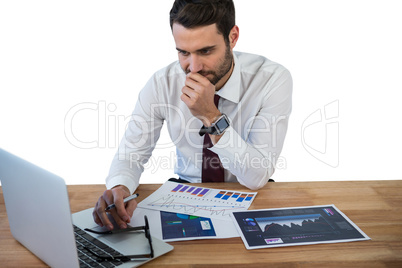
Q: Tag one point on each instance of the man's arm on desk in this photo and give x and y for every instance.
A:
(122, 213)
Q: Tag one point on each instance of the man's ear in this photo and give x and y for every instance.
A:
(233, 36)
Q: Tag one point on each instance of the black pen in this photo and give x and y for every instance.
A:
(131, 197)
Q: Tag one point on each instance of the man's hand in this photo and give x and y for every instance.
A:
(122, 213)
(198, 95)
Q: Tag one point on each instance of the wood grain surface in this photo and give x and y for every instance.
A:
(374, 206)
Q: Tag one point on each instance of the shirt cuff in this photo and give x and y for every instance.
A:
(122, 180)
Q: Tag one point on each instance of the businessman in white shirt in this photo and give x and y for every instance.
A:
(226, 112)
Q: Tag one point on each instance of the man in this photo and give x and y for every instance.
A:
(226, 112)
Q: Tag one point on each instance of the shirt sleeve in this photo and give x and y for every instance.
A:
(251, 156)
(139, 140)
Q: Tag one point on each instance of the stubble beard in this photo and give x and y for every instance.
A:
(223, 68)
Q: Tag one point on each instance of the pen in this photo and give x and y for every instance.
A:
(131, 197)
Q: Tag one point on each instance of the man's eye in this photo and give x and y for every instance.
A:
(206, 51)
(184, 53)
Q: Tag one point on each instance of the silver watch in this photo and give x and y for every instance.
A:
(218, 127)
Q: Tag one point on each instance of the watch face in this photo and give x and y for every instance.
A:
(222, 124)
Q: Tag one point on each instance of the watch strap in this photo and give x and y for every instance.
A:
(204, 130)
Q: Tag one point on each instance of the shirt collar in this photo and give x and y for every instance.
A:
(231, 90)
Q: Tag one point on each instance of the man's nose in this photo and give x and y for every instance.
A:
(195, 64)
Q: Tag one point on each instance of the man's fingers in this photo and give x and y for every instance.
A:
(197, 82)
(119, 221)
(193, 85)
(121, 211)
(130, 207)
(122, 217)
(100, 216)
(189, 92)
(196, 77)
(97, 220)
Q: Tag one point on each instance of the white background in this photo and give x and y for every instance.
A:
(59, 56)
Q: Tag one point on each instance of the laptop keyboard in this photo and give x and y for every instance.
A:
(87, 259)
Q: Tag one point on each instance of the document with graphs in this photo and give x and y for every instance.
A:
(295, 226)
(199, 201)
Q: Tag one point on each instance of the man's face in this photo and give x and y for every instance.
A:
(203, 50)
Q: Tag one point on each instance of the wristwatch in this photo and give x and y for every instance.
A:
(217, 128)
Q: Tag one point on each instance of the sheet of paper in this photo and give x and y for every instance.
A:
(295, 226)
(198, 201)
(222, 228)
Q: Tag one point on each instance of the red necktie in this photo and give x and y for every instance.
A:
(212, 170)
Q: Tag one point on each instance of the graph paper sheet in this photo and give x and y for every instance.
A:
(198, 201)
(295, 226)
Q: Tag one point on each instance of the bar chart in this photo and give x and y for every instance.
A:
(199, 201)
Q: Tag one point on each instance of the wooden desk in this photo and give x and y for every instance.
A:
(375, 206)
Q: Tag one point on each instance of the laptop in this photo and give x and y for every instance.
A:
(39, 215)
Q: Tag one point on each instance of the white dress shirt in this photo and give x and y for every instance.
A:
(257, 98)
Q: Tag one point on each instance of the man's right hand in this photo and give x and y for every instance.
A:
(122, 213)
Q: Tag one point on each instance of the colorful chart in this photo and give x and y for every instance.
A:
(201, 192)
(295, 226)
(176, 225)
(198, 201)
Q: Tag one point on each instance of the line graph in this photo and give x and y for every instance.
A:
(169, 203)
(266, 228)
(288, 220)
(292, 225)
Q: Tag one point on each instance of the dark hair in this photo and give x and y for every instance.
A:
(196, 13)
